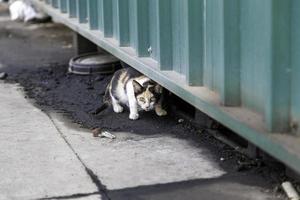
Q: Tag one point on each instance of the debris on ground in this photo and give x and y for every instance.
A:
(97, 132)
(201, 131)
(21, 10)
(290, 191)
(227, 141)
(107, 135)
(247, 164)
(180, 121)
(67, 46)
(3, 75)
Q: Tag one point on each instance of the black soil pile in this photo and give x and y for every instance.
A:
(53, 88)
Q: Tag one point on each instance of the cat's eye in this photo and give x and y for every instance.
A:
(142, 99)
(153, 99)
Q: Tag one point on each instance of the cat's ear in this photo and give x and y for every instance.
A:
(158, 89)
(137, 87)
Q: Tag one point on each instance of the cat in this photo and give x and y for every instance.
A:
(130, 88)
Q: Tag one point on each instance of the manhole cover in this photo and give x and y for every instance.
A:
(93, 63)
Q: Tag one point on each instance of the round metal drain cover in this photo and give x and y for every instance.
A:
(93, 63)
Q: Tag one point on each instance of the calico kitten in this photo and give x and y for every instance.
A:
(138, 92)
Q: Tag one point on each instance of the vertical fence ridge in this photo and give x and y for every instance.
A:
(107, 18)
(295, 63)
(72, 10)
(153, 29)
(194, 41)
(82, 11)
(230, 76)
(277, 109)
(214, 44)
(142, 27)
(123, 22)
(93, 14)
(63, 6)
(165, 55)
(54, 3)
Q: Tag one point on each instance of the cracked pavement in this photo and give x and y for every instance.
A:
(44, 157)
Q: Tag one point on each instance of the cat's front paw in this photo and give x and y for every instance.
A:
(160, 112)
(118, 108)
(133, 116)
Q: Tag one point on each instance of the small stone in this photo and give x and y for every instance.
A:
(222, 159)
(99, 78)
(180, 120)
(3, 75)
(90, 87)
(96, 132)
(107, 135)
(67, 46)
(201, 131)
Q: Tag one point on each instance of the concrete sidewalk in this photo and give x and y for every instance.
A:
(43, 157)
(35, 160)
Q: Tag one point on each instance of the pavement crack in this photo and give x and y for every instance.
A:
(72, 196)
(95, 179)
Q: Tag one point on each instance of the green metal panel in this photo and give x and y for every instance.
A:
(63, 5)
(230, 69)
(222, 50)
(177, 36)
(153, 29)
(193, 32)
(72, 8)
(107, 19)
(81, 6)
(123, 22)
(93, 14)
(295, 67)
(115, 18)
(142, 24)
(165, 46)
(100, 15)
(277, 107)
(236, 60)
(139, 26)
(255, 47)
(214, 50)
(132, 24)
(54, 3)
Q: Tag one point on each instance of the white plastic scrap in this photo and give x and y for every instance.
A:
(180, 120)
(20, 10)
(107, 135)
(290, 190)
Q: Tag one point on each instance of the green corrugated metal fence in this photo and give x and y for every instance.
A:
(236, 60)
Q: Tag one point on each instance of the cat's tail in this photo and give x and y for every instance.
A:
(104, 106)
(106, 102)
